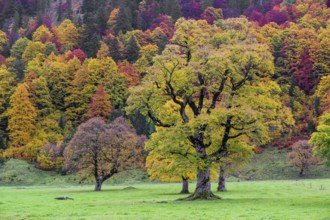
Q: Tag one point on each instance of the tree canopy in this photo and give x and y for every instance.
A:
(199, 88)
(101, 150)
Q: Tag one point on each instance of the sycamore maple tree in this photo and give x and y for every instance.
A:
(212, 93)
(102, 150)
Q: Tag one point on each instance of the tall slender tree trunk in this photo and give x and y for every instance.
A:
(185, 186)
(222, 181)
(98, 185)
(301, 174)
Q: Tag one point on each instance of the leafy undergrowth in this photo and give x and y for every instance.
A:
(302, 199)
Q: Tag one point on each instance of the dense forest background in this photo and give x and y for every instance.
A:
(59, 59)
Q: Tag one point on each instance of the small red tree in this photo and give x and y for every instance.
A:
(302, 156)
(100, 104)
(102, 150)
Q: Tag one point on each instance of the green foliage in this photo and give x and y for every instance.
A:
(33, 50)
(213, 98)
(19, 47)
(321, 138)
(131, 50)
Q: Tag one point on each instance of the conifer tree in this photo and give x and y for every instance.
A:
(132, 49)
(22, 120)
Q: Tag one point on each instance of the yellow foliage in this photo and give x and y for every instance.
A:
(22, 117)
(3, 40)
(42, 34)
(33, 50)
(67, 35)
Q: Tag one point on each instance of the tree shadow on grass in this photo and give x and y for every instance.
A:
(91, 190)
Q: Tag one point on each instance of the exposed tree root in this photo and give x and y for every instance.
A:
(201, 196)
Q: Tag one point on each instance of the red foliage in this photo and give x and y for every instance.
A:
(257, 16)
(130, 72)
(220, 3)
(100, 104)
(165, 23)
(47, 21)
(303, 73)
(80, 54)
(2, 60)
(277, 15)
(190, 8)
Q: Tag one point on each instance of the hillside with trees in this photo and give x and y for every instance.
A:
(193, 87)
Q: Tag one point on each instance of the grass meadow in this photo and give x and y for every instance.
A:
(302, 199)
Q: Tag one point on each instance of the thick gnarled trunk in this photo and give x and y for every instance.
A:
(99, 180)
(185, 186)
(203, 186)
(222, 181)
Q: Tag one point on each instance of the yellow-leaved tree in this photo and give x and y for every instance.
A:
(221, 92)
(22, 121)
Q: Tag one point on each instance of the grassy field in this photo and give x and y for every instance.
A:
(303, 199)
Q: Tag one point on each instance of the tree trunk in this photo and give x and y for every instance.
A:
(185, 184)
(203, 187)
(222, 181)
(98, 185)
(301, 174)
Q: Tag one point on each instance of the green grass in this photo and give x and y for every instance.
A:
(19, 172)
(272, 164)
(303, 199)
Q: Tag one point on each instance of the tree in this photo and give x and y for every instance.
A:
(322, 92)
(239, 154)
(101, 150)
(22, 120)
(131, 50)
(67, 35)
(130, 72)
(33, 50)
(218, 94)
(100, 105)
(211, 14)
(301, 156)
(321, 138)
(7, 82)
(42, 34)
(171, 159)
(58, 79)
(42, 96)
(119, 21)
(3, 41)
(19, 47)
(114, 47)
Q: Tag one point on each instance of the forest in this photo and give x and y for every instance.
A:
(185, 89)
